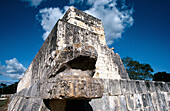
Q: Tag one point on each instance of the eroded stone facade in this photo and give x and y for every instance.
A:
(75, 70)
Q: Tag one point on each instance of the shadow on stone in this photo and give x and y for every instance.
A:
(67, 105)
(78, 105)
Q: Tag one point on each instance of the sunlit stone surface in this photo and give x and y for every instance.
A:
(75, 70)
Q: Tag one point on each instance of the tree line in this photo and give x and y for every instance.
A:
(8, 89)
(142, 71)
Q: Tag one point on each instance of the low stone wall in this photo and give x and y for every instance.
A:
(133, 95)
(119, 95)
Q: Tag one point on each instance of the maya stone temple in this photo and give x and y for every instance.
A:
(75, 70)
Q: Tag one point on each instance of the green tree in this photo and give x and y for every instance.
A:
(161, 76)
(2, 87)
(10, 89)
(136, 70)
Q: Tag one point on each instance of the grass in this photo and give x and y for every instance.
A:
(4, 104)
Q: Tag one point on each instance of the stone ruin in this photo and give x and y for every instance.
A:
(75, 70)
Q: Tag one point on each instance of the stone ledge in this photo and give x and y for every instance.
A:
(65, 87)
(72, 87)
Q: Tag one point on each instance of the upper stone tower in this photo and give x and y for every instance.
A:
(89, 30)
(85, 21)
(77, 35)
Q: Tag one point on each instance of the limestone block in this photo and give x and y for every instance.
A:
(130, 102)
(132, 84)
(155, 108)
(138, 87)
(97, 104)
(125, 86)
(101, 104)
(145, 100)
(138, 101)
(166, 88)
(105, 104)
(143, 87)
(160, 106)
(150, 103)
(114, 103)
(163, 102)
(146, 109)
(122, 100)
(105, 85)
(158, 86)
(151, 108)
(154, 98)
(150, 86)
(114, 86)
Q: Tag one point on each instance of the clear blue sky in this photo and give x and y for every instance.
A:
(145, 37)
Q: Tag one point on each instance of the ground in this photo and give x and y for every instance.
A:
(4, 104)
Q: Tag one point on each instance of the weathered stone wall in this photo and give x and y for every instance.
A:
(91, 31)
(133, 95)
(66, 33)
(21, 103)
(39, 63)
(75, 70)
(119, 95)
